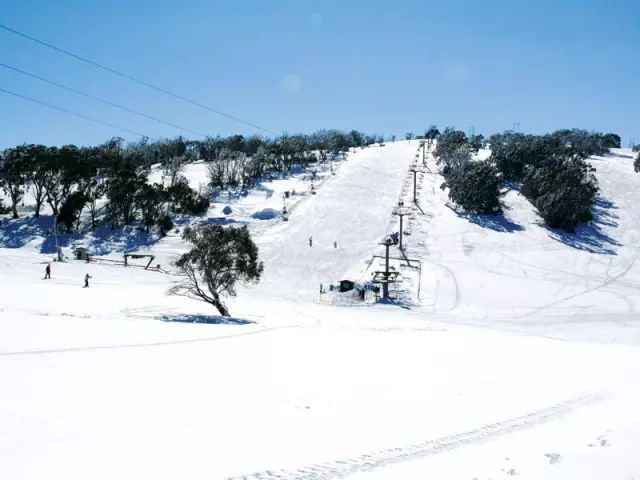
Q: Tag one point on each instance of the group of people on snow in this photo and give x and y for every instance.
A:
(47, 275)
(335, 243)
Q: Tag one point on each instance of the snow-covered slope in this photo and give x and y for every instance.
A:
(352, 209)
(516, 274)
(121, 381)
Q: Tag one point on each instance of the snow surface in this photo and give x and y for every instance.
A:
(514, 352)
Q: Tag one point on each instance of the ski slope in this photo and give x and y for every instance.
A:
(353, 209)
(513, 273)
(519, 359)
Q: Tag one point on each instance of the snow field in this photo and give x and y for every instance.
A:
(117, 381)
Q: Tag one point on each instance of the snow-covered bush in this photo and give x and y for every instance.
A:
(476, 187)
(563, 190)
(514, 153)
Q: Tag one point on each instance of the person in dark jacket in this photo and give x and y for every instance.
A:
(47, 272)
(86, 280)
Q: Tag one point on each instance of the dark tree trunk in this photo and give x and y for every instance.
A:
(14, 206)
(222, 308)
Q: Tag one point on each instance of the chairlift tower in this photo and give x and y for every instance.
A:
(416, 169)
(386, 277)
(401, 211)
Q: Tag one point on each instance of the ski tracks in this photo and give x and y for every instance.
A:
(89, 348)
(366, 462)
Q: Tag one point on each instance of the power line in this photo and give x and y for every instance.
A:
(70, 112)
(102, 100)
(133, 79)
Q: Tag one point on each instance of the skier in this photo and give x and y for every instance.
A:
(311, 241)
(335, 244)
(86, 280)
(321, 289)
(47, 272)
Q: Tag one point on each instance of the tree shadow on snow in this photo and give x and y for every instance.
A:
(497, 223)
(104, 240)
(208, 319)
(395, 303)
(591, 237)
(16, 233)
(64, 240)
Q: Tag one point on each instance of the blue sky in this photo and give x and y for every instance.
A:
(295, 66)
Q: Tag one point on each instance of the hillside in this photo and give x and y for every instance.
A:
(514, 350)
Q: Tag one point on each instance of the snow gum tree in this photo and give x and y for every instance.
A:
(13, 176)
(563, 190)
(219, 258)
(449, 143)
(476, 187)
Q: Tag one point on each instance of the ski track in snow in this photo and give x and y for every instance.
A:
(166, 343)
(366, 462)
(608, 280)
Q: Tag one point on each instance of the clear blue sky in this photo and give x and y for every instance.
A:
(294, 65)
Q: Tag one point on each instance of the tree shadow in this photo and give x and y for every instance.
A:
(16, 233)
(104, 240)
(591, 237)
(497, 223)
(207, 319)
(64, 240)
(395, 303)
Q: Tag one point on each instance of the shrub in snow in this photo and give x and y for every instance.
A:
(198, 205)
(476, 187)
(563, 190)
(513, 153)
(227, 210)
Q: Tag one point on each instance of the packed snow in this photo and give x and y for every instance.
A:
(512, 350)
